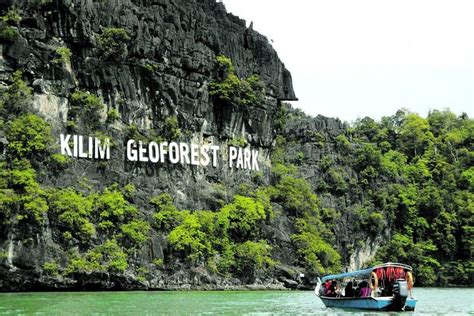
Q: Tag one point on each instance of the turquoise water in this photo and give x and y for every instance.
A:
(434, 301)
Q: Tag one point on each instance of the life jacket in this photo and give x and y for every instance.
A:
(380, 272)
(390, 274)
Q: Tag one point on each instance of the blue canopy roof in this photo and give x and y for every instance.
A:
(365, 272)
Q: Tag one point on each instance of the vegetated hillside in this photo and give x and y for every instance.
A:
(327, 195)
(396, 190)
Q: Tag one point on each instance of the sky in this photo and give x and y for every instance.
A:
(351, 59)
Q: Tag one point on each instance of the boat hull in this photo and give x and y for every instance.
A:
(367, 303)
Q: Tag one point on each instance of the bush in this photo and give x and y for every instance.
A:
(108, 257)
(64, 55)
(280, 118)
(29, 136)
(189, 239)
(112, 115)
(166, 214)
(59, 162)
(72, 212)
(113, 43)
(343, 143)
(151, 67)
(252, 256)
(129, 190)
(135, 231)
(111, 205)
(336, 180)
(20, 195)
(171, 130)
(296, 196)
(51, 268)
(34, 207)
(467, 178)
(158, 262)
(8, 33)
(229, 89)
(11, 18)
(315, 254)
(238, 142)
(242, 216)
(88, 105)
(16, 98)
(115, 258)
(20, 177)
(370, 221)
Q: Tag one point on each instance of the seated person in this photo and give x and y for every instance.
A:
(327, 288)
(365, 292)
(356, 289)
(349, 290)
(331, 289)
(364, 289)
(322, 290)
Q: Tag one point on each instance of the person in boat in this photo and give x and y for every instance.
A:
(364, 289)
(349, 290)
(322, 289)
(356, 289)
(327, 288)
(331, 289)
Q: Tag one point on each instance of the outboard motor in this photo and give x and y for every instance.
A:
(400, 294)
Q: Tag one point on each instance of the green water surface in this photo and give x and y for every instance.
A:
(432, 301)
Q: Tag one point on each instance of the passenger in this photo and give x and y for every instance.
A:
(337, 289)
(349, 290)
(356, 289)
(364, 290)
(327, 288)
(334, 287)
(322, 290)
(331, 290)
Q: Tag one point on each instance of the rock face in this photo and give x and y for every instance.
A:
(313, 145)
(164, 70)
(160, 68)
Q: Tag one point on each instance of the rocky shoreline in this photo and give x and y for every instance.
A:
(180, 281)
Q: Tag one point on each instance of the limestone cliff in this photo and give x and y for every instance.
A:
(164, 70)
(147, 61)
(161, 68)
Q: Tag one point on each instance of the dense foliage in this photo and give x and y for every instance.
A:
(9, 23)
(414, 185)
(406, 178)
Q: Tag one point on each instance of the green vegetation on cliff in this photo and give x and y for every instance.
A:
(230, 89)
(408, 179)
(400, 189)
(414, 175)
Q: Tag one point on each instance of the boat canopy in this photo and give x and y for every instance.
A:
(365, 272)
(357, 273)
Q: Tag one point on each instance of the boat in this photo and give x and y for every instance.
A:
(383, 287)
